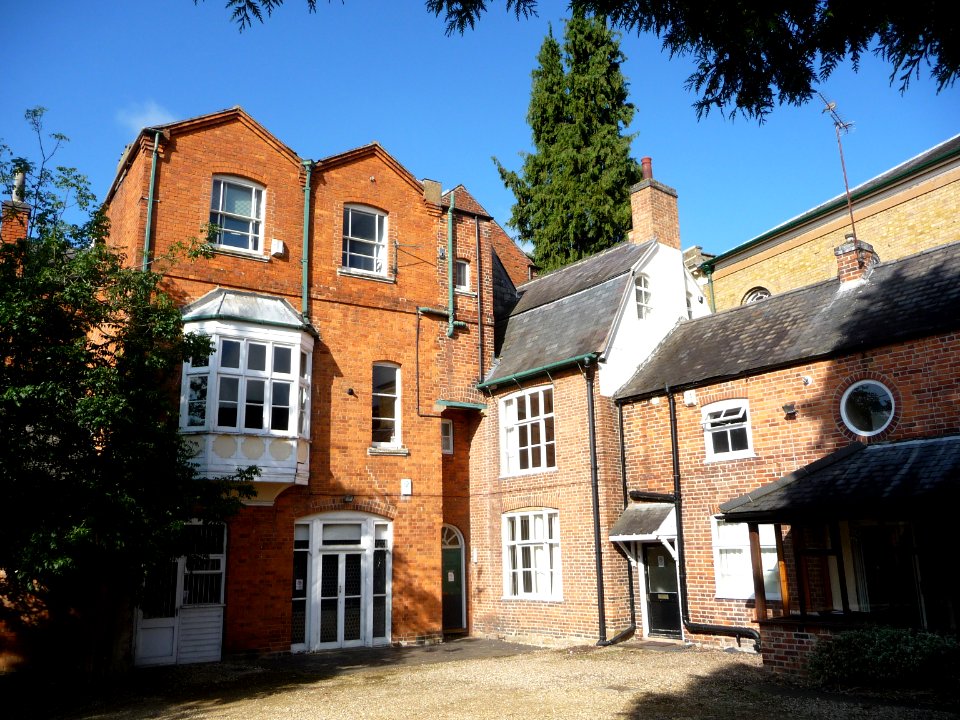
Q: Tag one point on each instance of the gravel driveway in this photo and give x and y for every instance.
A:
(625, 681)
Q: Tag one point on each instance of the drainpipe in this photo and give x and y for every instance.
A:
(700, 628)
(450, 301)
(708, 271)
(150, 201)
(305, 254)
(632, 628)
(595, 491)
(476, 225)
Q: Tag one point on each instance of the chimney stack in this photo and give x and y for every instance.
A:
(431, 191)
(653, 207)
(854, 259)
(14, 214)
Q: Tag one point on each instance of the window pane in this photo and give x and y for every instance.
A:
(256, 357)
(384, 379)
(738, 439)
(721, 442)
(253, 410)
(548, 402)
(282, 358)
(362, 225)
(341, 533)
(227, 408)
(197, 401)
(237, 200)
(280, 406)
(230, 354)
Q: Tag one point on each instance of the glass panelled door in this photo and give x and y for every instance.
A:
(341, 599)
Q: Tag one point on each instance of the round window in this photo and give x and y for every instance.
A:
(867, 407)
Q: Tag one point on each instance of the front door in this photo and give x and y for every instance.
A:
(341, 599)
(158, 617)
(452, 584)
(663, 599)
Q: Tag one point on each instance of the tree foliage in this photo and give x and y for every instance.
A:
(573, 192)
(751, 54)
(97, 481)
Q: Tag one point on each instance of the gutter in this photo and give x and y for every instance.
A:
(523, 374)
(451, 306)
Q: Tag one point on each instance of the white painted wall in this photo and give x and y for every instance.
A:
(635, 339)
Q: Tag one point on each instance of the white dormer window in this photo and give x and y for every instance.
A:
(644, 296)
(726, 430)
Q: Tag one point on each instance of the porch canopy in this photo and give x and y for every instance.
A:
(642, 522)
(880, 481)
(870, 528)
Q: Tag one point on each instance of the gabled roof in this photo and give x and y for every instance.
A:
(373, 149)
(908, 298)
(891, 480)
(237, 306)
(944, 152)
(464, 201)
(566, 314)
(234, 114)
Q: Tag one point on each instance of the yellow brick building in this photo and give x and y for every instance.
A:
(912, 207)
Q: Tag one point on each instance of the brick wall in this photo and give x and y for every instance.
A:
(567, 489)
(916, 217)
(360, 321)
(924, 376)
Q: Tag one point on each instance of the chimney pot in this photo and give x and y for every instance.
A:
(646, 168)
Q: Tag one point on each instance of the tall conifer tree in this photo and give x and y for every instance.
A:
(573, 192)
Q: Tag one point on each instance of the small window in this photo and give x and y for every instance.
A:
(386, 405)
(531, 552)
(726, 430)
(203, 573)
(446, 437)
(689, 306)
(644, 296)
(461, 275)
(236, 208)
(732, 565)
(365, 240)
(755, 295)
(867, 407)
(527, 433)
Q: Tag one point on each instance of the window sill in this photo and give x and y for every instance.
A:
(241, 431)
(399, 450)
(465, 293)
(255, 255)
(730, 456)
(527, 473)
(532, 598)
(741, 598)
(365, 275)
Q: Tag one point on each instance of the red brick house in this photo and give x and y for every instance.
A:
(351, 307)
(545, 474)
(796, 459)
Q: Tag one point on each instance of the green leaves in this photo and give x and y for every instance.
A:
(572, 193)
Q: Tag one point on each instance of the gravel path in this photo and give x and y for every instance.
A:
(617, 682)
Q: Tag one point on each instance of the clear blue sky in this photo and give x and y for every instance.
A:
(383, 70)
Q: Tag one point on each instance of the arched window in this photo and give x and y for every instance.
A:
(755, 295)
(365, 239)
(236, 208)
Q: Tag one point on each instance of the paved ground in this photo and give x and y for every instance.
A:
(468, 678)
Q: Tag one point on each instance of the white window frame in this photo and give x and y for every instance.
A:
(732, 565)
(538, 451)
(461, 267)
(217, 567)
(755, 295)
(208, 373)
(532, 567)
(218, 216)
(729, 421)
(843, 408)
(396, 440)
(446, 437)
(644, 295)
(353, 261)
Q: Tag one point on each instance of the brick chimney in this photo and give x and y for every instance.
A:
(854, 259)
(14, 214)
(653, 207)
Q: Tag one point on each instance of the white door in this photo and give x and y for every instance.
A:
(341, 600)
(158, 616)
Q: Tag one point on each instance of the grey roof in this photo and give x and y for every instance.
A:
(644, 520)
(567, 313)
(221, 304)
(884, 480)
(937, 154)
(908, 298)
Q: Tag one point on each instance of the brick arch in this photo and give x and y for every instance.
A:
(849, 382)
(539, 499)
(373, 506)
(246, 176)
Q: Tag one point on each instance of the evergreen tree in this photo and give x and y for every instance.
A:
(573, 192)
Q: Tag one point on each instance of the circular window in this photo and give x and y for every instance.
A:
(755, 295)
(867, 407)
